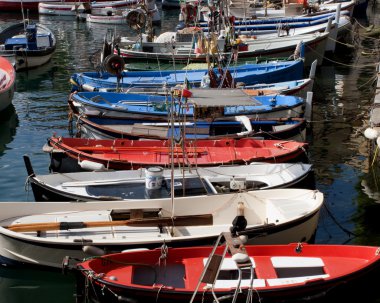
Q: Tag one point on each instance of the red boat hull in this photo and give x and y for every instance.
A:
(134, 154)
(346, 268)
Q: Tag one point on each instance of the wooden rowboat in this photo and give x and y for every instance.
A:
(111, 185)
(73, 154)
(273, 216)
(295, 272)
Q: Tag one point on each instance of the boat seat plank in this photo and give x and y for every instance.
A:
(286, 281)
(229, 264)
(285, 262)
(264, 268)
(244, 283)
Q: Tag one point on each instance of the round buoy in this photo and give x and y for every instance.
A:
(371, 133)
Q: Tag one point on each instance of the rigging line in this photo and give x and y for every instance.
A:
(349, 233)
(343, 64)
(341, 43)
(372, 79)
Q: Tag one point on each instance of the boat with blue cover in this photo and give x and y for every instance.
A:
(249, 74)
(29, 44)
(202, 105)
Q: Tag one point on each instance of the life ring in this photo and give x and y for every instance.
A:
(114, 64)
(136, 19)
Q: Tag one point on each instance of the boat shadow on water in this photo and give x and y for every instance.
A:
(27, 285)
(8, 124)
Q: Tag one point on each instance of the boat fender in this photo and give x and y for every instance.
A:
(88, 88)
(92, 166)
(240, 258)
(93, 250)
(371, 133)
(378, 141)
(247, 124)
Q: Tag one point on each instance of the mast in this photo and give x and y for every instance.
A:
(172, 152)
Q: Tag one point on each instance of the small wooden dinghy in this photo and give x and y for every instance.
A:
(43, 233)
(119, 154)
(261, 273)
(201, 105)
(293, 129)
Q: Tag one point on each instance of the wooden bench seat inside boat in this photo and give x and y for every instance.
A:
(271, 271)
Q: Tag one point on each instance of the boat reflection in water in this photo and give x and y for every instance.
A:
(35, 286)
(8, 124)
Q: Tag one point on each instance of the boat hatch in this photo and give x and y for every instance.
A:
(189, 187)
(226, 186)
(137, 190)
(169, 275)
(287, 267)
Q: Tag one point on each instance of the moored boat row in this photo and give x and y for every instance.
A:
(161, 168)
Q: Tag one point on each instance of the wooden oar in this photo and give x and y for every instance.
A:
(192, 220)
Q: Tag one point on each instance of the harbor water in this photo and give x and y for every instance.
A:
(343, 94)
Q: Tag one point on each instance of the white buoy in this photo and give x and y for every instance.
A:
(91, 166)
(88, 88)
(378, 141)
(371, 133)
(247, 124)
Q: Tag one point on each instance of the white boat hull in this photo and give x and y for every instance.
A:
(315, 46)
(31, 61)
(70, 8)
(295, 213)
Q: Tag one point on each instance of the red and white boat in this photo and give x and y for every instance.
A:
(260, 273)
(93, 154)
(71, 8)
(7, 83)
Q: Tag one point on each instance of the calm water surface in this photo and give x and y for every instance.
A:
(343, 94)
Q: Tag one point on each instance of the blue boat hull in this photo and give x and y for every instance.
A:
(249, 74)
